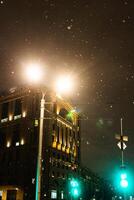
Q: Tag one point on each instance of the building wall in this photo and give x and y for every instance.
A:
(19, 130)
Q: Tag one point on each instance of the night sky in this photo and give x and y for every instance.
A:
(92, 40)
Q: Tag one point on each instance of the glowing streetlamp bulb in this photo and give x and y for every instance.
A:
(64, 84)
(34, 72)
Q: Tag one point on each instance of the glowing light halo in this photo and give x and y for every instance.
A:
(124, 183)
(64, 84)
(123, 176)
(34, 72)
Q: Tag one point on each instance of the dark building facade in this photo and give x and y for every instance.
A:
(19, 134)
(94, 187)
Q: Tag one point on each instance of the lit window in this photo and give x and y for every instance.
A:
(1, 193)
(24, 114)
(10, 117)
(22, 142)
(17, 144)
(53, 194)
(4, 120)
(62, 195)
(59, 146)
(63, 148)
(36, 122)
(8, 144)
(57, 112)
(17, 117)
(33, 180)
(52, 174)
(68, 150)
(54, 144)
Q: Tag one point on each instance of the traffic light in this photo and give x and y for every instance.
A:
(123, 181)
(69, 115)
(74, 188)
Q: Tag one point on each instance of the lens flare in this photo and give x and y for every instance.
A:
(34, 72)
(64, 84)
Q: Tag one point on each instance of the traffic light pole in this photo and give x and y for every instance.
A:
(122, 146)
(122, 153)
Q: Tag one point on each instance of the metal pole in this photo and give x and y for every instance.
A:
(122, 155)
(39, 158)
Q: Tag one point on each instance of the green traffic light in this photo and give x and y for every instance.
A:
(75, 192)
(74, 188)
(70, 114)
(124, 182)
(74, 183)
(123, 176)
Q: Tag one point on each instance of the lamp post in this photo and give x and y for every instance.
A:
(39, 158)
(34, 74)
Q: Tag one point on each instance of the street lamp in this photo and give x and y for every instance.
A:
(64, 84)
(39, 159)
(34, 74)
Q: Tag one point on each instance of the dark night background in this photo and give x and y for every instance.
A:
(93, 40)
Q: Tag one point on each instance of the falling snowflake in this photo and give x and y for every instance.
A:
(123, 21)
(69, 27)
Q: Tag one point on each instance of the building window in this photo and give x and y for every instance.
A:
(58, 156)
(1, 193)
(2, 138)
(54, 154)
(53, 127)
(62, 195)
(36, 122)
(16, 135)
(10, 117)
(18, 107)
(22, 142)
(53, 174)
(24, 114)
(4, 110)
(62, 136)
(58, 134)
(34, 136)
(17, 144)
(11, 194)
(53, 194)
(63, 113)
(67, 142)
(54, 107)
(8, 144)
